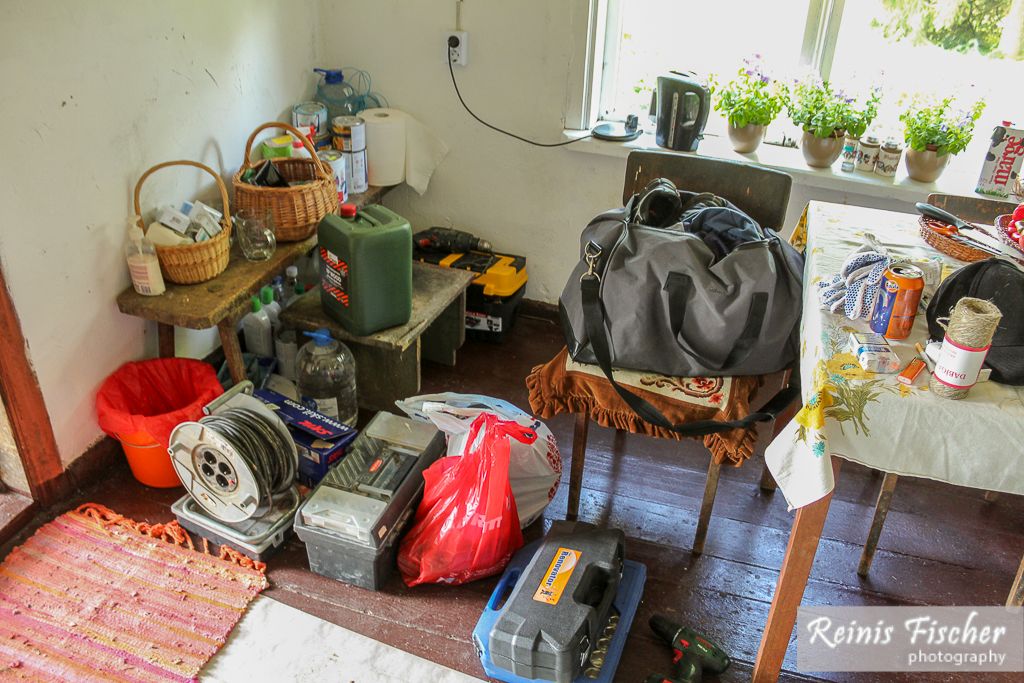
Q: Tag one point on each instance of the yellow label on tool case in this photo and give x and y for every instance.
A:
(557, 576)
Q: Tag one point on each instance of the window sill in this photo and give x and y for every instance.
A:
(959, 178)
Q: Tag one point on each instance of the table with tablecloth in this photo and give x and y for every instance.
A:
(872, 419)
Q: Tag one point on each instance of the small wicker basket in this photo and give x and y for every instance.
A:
(947, 246)
(296, 210)
(189, 264)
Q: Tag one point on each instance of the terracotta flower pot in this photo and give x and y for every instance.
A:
(821, 152)
(926, 166)
(746, 139)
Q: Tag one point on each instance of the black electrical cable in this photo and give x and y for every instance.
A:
(465, 106)
(262, 447)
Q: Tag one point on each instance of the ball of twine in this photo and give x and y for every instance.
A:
(972, 323)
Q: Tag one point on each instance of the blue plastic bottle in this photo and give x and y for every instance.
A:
(333, 92)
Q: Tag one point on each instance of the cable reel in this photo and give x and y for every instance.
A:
(238, 459)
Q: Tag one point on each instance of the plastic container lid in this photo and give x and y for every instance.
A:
(291, 271)
(321, 336)
(256, 306)
(266, 295)
(331, 76)
(348, 210)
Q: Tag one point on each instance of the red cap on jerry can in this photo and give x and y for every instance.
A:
(348, 210)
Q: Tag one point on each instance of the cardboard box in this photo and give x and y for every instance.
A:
(320, 440)
(1002, 162)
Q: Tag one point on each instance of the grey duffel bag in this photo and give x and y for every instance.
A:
(682, 285)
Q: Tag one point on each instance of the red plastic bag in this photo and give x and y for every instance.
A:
(467, 526)
(154, 396)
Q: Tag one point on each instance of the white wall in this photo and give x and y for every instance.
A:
(524, 199)
(93, 94)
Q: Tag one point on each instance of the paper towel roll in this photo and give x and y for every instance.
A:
(400, 148)
(385, 145)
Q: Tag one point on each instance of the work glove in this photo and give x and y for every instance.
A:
(853, 289)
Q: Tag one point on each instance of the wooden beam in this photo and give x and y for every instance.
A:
(1016, 596)
(789, 591)
(26, 409)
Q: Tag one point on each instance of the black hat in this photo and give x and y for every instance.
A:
(1002, 283)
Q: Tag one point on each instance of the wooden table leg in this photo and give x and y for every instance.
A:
(165, 339)
(579, 453)
(789, 591)
(881, 510)
(232, 350)
(1016, 597)
(767, 484)
(710, 489)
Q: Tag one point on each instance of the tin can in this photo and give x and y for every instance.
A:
(355, 168)
(336, 160)
(867, 154)
(306, 114)
(889, 156)
(323, 141)
(349, 133)
(898, 296)
(849, 153)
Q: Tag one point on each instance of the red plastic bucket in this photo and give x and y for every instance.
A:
(149, 461)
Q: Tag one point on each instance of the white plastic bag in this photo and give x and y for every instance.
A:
(534, 470)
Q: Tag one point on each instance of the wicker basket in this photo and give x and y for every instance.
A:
(189, 264)
(1002, 225)
(947, 246)
(296, 210)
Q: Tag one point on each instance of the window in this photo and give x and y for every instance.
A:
(969, 48)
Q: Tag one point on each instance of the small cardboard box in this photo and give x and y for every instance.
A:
(1002, 161)
(320, 440)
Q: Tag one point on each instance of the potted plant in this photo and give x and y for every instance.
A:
(826, 117)
(750, 102)
(934, 132)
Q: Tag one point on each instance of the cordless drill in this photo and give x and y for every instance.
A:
(449, 241)
(692, 653)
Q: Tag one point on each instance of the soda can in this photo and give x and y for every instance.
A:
(898, 297)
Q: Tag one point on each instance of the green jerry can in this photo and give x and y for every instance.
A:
(366, 268)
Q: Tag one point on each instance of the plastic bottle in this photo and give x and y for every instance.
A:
(272, 308)
(277, 285)
(259, 336)
(291, 280)
(326, 377)
(143, 264)
(333, 92)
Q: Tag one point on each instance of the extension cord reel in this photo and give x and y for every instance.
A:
(216, 474)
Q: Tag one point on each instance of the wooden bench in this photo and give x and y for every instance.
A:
(222, 301)
(388, 361)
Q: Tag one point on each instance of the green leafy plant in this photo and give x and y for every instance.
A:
(752, 98)
(818, 109)
(942, 126)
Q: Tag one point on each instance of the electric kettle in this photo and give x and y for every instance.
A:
(680, 107)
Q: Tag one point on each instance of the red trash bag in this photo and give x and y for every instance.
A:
(154, 396)
(467, 526)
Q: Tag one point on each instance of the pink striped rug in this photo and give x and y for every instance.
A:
(93, 596)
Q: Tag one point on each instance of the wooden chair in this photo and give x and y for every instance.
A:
(983, 212)
(764, 195)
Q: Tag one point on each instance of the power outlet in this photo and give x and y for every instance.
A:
(457, 43)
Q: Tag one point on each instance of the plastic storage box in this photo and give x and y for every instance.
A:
(492, 299)
(352, 521)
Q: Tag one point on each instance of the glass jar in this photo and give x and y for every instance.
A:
(256, 234)
(326, 377)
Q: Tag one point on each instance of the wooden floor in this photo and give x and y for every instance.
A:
(942, 545)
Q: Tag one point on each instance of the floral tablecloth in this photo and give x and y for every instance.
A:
(873, 419)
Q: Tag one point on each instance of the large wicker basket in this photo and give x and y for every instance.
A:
(298, 209)
(189, 264)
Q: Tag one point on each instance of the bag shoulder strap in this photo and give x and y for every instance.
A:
(594, 322)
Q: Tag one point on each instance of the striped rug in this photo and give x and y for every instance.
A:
(93, 596)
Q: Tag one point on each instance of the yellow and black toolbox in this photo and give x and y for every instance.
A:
(493, 298)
